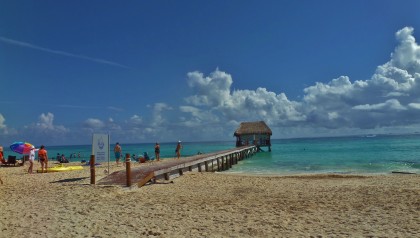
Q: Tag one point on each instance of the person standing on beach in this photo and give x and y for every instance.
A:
(117, 152)
(178, 149)
(31, 159)
(2, 161)
(157, 151)
(43, 158)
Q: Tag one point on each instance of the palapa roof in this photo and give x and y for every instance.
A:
(256, 127)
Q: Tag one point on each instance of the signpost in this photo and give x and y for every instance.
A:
(100, 148)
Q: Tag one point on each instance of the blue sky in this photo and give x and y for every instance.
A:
(148, 71)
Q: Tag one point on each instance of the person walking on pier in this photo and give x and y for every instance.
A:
(178, 149)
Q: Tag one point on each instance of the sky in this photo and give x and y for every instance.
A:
(146, 71)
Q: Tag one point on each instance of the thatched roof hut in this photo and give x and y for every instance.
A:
(256, 127)
(253, 133)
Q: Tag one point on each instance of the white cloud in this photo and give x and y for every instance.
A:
(4, 130)
(46, 121)
(136, 120)
(2, 120)
(389, 105)
(414, 105)
(213, 90)
(46, 124)
(93, 123)
(44, 131)
(390, 98)
(158, 117)
(407, 54)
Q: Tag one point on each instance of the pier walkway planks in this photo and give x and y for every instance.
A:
(172, 168)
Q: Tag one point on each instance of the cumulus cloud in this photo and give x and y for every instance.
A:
(387, 99)
(46, 124)
(214, 91)
(391, 97)
(136, 120)
(158, 118)
(44, 130)
(218, 84)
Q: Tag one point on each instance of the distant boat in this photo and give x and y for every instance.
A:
(370, 136)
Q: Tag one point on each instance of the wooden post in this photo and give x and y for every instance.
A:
(92, 169)
(206, 165)
(218, 165)
(128, 169)
(223, 163)
(199, 167)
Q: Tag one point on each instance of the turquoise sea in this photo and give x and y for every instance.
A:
(347, 155)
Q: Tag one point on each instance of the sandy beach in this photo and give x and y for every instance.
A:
(209, 205)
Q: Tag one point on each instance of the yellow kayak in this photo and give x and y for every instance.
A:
(61, 168)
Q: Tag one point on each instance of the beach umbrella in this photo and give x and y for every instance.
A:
(21, 147)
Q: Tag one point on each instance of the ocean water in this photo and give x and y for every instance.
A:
(346, 155)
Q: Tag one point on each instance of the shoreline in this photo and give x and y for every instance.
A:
(207, 204)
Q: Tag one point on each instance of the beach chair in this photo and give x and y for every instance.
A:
(11, 160)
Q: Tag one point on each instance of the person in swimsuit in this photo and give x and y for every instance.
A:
(117, 152)
(178, 149)
(43, 158)
(157, 151)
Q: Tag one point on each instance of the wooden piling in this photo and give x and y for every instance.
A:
(206, 165)
(128, 169)
(92, 169)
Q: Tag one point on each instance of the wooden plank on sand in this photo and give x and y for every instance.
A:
(146, 179)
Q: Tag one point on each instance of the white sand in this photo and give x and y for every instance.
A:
(209, 205)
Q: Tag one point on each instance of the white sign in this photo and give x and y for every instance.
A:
(100, 147)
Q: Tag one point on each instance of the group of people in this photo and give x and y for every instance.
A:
(42, 157)
(62, 159)
(118, 152)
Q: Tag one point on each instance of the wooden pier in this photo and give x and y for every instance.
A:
(172, 168)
